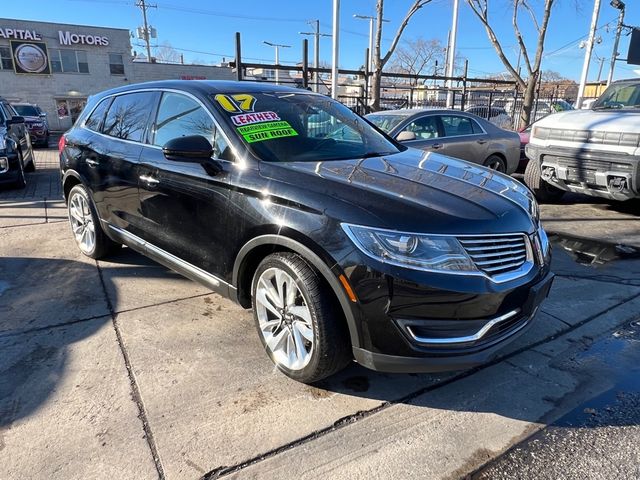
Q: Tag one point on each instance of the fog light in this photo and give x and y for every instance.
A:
(4, 164)
(549, 174)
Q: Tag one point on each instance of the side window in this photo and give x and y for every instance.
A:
(94, 122)
(455, 126)
(179, 116)
(425, 128)
(128, 116)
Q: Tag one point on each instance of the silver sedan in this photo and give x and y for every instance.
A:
(453, 133)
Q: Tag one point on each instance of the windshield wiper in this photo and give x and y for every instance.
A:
(375, 154)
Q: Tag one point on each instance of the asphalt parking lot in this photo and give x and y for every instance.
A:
(123, 369)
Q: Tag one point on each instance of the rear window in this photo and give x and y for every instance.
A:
(128, 116)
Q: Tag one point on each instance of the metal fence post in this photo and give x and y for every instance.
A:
(238, 58)
(305, 63)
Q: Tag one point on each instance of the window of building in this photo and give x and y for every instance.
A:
(5, 59)
(68, 61)
(128, 116)
(116, 64)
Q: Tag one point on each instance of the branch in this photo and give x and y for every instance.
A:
(480, 9)
(516, 29)
(417, 5)
(526, 5)
(548, 4)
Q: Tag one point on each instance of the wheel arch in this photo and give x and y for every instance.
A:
(70, 179)
(252, 253)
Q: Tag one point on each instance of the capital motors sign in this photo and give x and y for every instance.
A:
(68, 38)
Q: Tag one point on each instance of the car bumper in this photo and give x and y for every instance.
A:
(9, 168)
(463, 354)
(39, 136)
(613, 176)
(410, 320)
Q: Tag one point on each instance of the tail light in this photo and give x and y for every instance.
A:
(62, 143)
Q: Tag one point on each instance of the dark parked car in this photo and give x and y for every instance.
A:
(16, 153)
(454, 133)
(344, 248)
(36, 121)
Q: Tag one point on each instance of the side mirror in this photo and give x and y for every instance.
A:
(405, 135)
(15, 120)
(192, 148)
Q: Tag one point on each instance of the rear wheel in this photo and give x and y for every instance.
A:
(85, 225)
(298, 319)
(494, 162)
(543, 191)
(31, 167)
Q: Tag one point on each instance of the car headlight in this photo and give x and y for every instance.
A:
(540, 133)
(411, 250)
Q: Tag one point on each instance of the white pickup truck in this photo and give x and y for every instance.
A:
(595, 151)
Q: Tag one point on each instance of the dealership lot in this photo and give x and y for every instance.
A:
(123, 369)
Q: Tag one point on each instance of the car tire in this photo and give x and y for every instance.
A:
(85, 225)
(21, 181)
(298, 319)
(495, 162)
(542, 190)
(31, 167)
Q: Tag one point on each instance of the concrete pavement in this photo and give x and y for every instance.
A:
(122, 369)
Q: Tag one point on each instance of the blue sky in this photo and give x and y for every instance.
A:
(204, 29)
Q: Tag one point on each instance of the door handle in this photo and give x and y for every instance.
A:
(482, 141)
(149, 179)
(91, 162)
(436, 146)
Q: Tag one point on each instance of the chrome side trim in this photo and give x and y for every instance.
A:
(171, 261)
(467, 339)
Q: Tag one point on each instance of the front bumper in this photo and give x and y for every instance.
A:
(465, 352)
(609, 175)
(9, 167)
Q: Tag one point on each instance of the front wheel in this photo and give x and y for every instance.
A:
(85, 225)
(543, 191)
(298, 319)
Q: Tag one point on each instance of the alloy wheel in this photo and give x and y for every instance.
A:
(284, 319)
(82, 223)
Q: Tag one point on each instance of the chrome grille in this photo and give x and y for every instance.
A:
(495, 255)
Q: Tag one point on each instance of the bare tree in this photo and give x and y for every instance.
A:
(165, 53)
(379, 60)
(529, 81)
(417, 57)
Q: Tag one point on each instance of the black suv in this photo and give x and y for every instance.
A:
(16, 152)
(345, 243)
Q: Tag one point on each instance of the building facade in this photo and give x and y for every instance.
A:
(58, 66)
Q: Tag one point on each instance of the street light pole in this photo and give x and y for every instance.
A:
(335, 47)
(277, 46)
(452, 53)
(316, 51)
(370, 58)
(587, 53)
(619, 4)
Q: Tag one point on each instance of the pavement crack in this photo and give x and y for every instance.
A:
(135, 388)
(555, 317)
(222, 471)
(26, 331)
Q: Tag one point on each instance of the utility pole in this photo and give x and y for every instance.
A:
(370, 59)
(587, 53)
(147, 34)
(277, 46)
(452, 52)
(316, 51)
(335, 47)
(600, 69)
(619, 4)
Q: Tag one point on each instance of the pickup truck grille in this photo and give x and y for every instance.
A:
(621, 139)
(496, 255)
(596, 165)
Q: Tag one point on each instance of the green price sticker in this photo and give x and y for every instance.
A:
(260, 132)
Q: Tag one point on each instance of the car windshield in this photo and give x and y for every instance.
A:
(300, 127)
(386, 123)
(621, 95)
(26, 110)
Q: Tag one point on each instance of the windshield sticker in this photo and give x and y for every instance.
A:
(237, 103)
(267, 131)
(249, 118)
